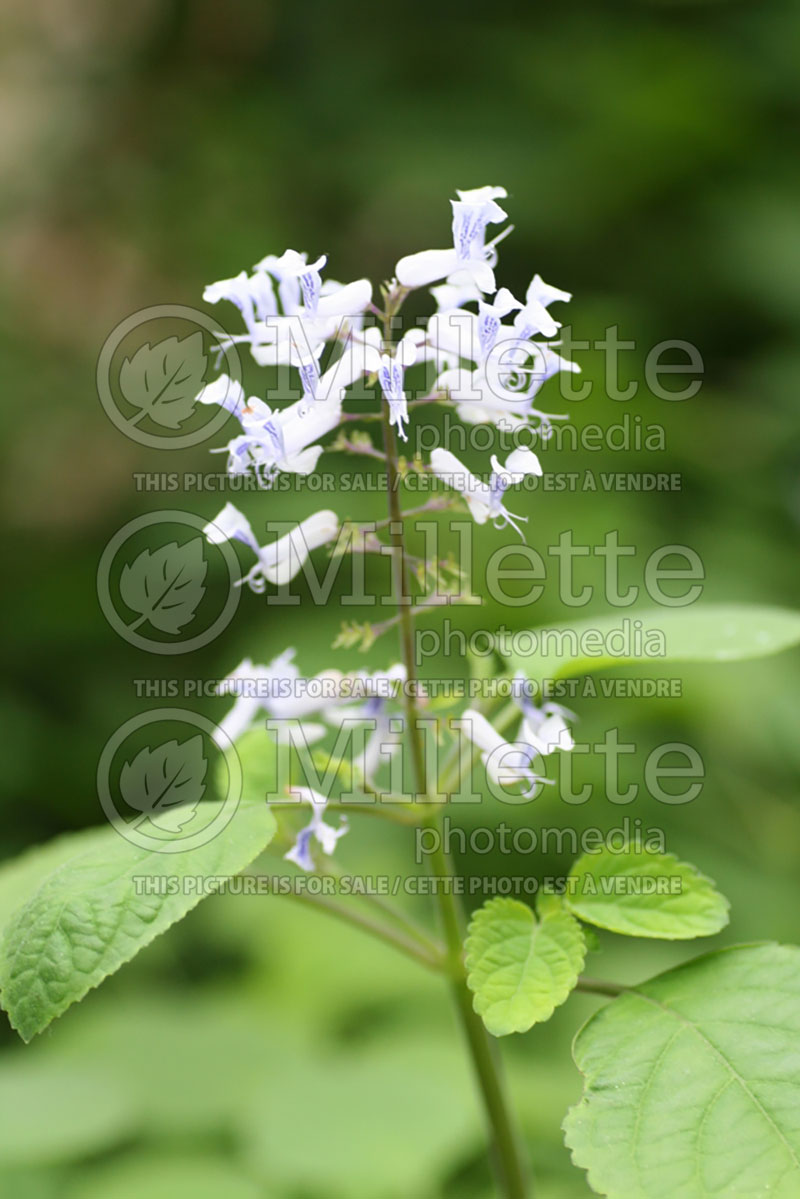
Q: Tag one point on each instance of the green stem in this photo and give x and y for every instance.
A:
(506, 1149)
(507, 1155)
(410, 946)
(599, 986)
(376, 807)
(396, 530)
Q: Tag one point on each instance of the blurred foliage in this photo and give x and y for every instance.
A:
(146, 151)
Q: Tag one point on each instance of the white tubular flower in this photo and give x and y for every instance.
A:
(344, 299)
(470, 260)
(280, 561)
(455, 295)
(277, 691)
(505, 762)
(376, 690)
(237, 291)
(391, 373)
(231, 525)
(548, 362)
(253, 687)
(281, 440)
(455, 334)
(485, 500)
(225, 392)
(326, 835)
(545, 727)
(292, 265)
(533, 316)
(289, 292)
(489, 318)
(253, 295)
(478, 402)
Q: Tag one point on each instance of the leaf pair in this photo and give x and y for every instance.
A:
(520, 968)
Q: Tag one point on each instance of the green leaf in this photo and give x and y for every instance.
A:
(520, 968)
(658, 636)
(643, 894)
(692, 1082)
(79, 915)
(166, 783)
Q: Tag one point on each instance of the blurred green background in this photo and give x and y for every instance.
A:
(647, 149)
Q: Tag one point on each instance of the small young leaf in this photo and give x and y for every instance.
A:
(165, 586)
(700, 633)
(83, 916)
(520, 968)
(166, 783)
(643, 894)
(692, 1082)
(163, 380)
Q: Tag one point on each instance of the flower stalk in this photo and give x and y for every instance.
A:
(506, 1149)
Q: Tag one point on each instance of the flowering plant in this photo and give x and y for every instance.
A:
(707, 1044)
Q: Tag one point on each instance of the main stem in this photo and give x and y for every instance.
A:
(507, 1154)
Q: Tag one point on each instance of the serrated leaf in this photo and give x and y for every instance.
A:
(643, 894)
(79, 919)
(520, 968)
(701, 633)
(165, 586)
(166, 783)
(162, 381)
(692, 1082)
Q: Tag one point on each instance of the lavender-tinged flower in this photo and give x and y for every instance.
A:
(278, 691)
(238, 290)
(505, 762)
(283, 441)
(379, 689)
(293, 265)
(224, 391)
(470, 260)
(455, 295)
(326, 835)
(310, 312)
(478, 402)
(282, 559)
(253, 687)
(391, 373)
(489, 318)
(485, 500)
(273, 440)
(545, 727)
(533, 317)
